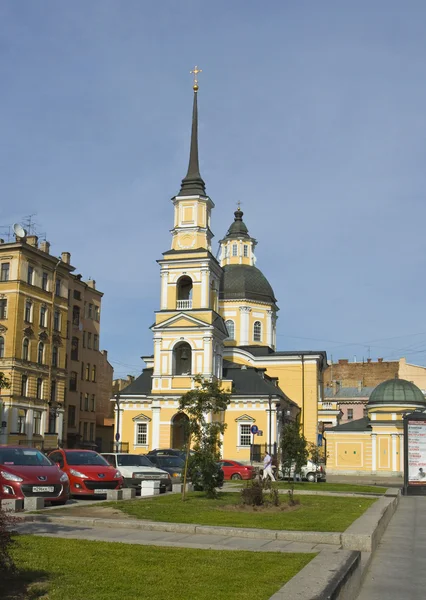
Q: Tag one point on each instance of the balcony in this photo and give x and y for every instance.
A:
(184, 304)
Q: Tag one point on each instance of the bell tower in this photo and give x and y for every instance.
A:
(188, 331)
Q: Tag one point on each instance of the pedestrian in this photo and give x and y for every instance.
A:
(267, 467)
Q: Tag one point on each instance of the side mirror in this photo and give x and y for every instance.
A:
(58, 465)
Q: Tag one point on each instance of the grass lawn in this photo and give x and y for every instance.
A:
(315, 513)
(58, 569)
(334, 487)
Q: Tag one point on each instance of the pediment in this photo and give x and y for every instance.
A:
(180, 321)
(245, 418)
(141, 417)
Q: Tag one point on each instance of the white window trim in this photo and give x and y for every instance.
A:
(249, 423)
(137, 423)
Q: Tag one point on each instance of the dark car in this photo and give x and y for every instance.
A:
(27, 472)
(169, 452)
(174, 465)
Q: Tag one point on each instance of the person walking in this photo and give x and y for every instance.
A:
(267, 467)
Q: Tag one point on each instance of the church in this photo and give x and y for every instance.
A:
(217, 318)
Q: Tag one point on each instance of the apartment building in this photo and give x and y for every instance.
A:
(49, 349)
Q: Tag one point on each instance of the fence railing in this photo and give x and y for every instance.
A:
(184, 304)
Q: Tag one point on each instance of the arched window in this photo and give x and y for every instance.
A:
(25, 349)
(257, 331)
(55, 356)
(24, 385)
(184, 293)
(230, 326)
(1, 346)
(182, 359)
(39, 392)
(40, 353)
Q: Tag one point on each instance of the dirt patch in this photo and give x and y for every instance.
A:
(92, 512)
(259, 509)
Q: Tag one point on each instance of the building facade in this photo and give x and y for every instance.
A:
(217, 319)
(38, 300)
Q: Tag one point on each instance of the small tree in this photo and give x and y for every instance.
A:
(205, 399)
(294, 452)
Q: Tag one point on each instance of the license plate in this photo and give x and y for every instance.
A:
(43, 488)
(101, 491)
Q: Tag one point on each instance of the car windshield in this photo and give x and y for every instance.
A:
(170, 461)
(85, 458)
(133, 460)
(23, 457)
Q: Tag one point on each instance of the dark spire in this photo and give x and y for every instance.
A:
(238, 227)
(193, 184)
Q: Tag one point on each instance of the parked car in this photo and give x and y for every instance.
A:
(311, 472)
(169, 452)
(27, 472)
(89, 473)
(174, 465)
(233, 469)
(136, 468)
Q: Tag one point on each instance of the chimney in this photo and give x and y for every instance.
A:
(369, 360)
(130, 378)
(91, 283)
(1, 241)
(343, 361)
(104, 353)
(32, 240)
(45, 247)
(380, 360)
(359, 385)
(66, 257)
(336, 386)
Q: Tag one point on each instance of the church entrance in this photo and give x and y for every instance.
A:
(179, 430)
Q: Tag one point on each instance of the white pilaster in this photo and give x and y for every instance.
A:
(244, 325)
(29, 423)
(394, 456)
(207, 355)
(205, 288)
(60, 424)
(14, 420)
(401, 452)
(373, 452)
(43, 424)
(164, 288)
(157, 357)
(156, 410)
(269, 329)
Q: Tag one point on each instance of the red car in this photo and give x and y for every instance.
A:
(89, 473)
(27, 472)
(233, 469)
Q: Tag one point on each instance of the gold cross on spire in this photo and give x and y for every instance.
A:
(195, 72)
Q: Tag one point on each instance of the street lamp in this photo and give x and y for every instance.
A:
(117, 432)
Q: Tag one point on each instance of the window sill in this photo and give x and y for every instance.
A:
(141, 445)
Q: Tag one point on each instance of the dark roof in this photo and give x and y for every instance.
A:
(245, 282)
(357, 425)
(397, 391)
(193, 184)
(348, 392)
(141, 386)
(267, 351)
(249, 381)
(238, 228)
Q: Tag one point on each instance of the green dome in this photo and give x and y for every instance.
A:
(245, 282)
(397, 391)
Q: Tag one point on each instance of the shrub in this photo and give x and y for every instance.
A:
(6, 540)
(205, 473)
(252, 493)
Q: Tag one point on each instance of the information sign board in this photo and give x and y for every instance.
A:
(416, 438)
(254, 429)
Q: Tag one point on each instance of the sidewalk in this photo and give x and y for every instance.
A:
(397, 570)
(160, 538)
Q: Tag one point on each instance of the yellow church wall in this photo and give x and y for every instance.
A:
(414, 373)
(231, 448)
(350, 452)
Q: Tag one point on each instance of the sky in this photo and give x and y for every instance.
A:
(312, 115)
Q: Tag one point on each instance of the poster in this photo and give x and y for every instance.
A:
(416, 452)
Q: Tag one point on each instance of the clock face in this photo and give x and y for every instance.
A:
(187, 240)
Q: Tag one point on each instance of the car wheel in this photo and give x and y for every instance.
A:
(279, 475)
(236, 476)
(310, 477)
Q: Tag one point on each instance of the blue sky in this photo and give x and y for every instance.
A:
(312, 114)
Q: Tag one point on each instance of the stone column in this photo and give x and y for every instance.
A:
(156, 411)
(4, 418)
(14, 419)
(43, 424)
(244, 325)
(394, 437)
(207, 367)
(374, 452)
(401, 452)
(60, 424)
(157, 357)
(29, 423)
